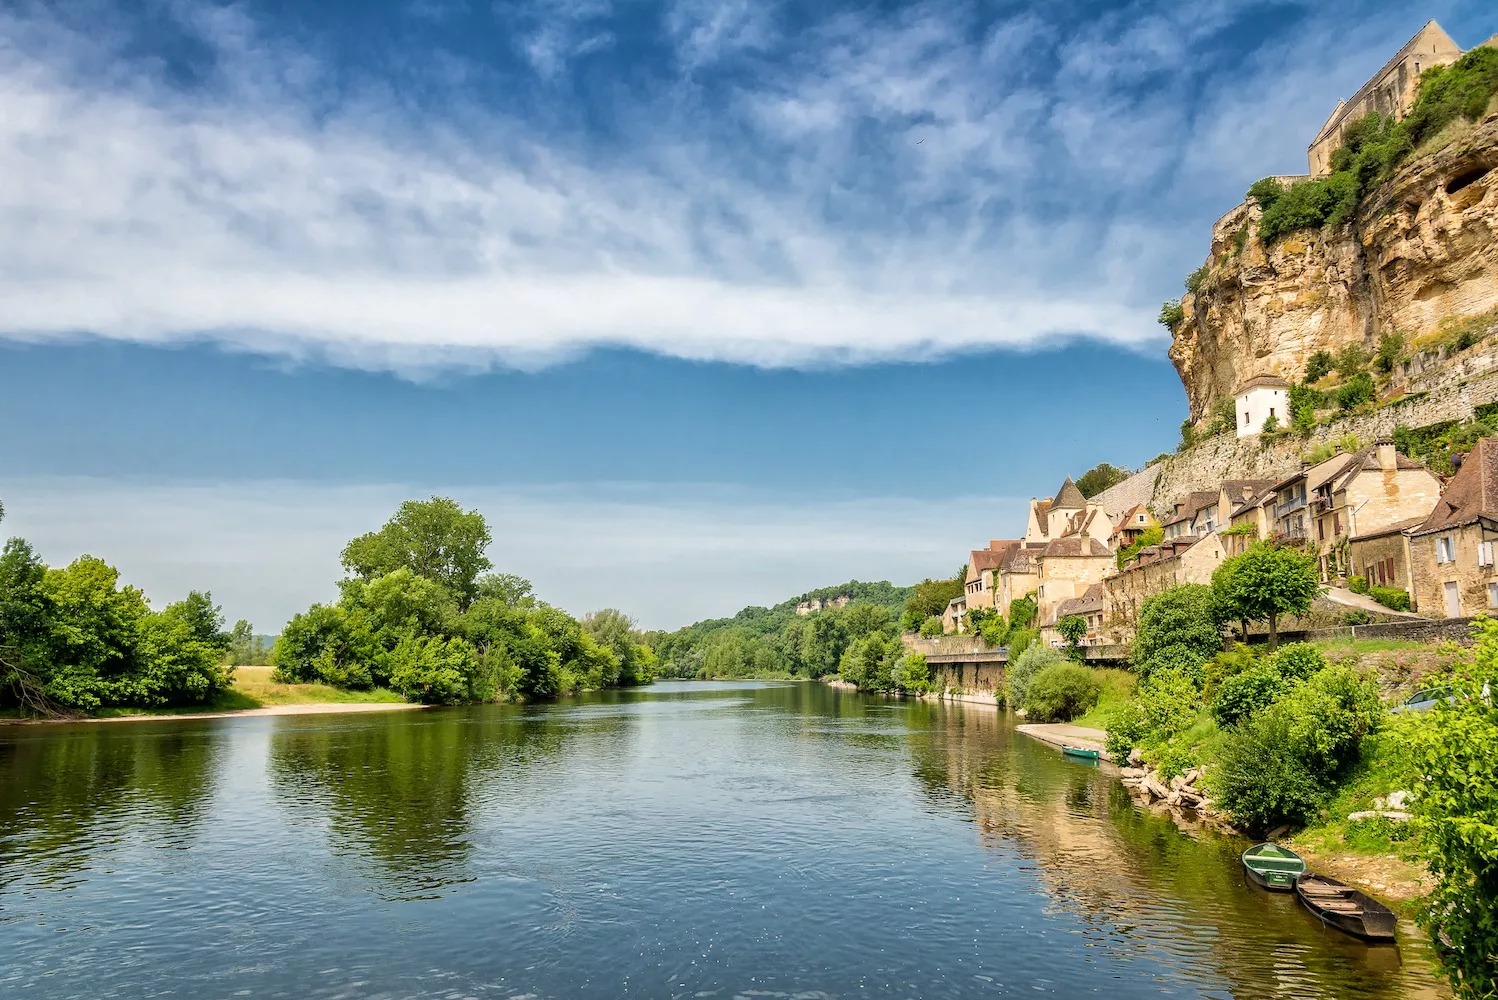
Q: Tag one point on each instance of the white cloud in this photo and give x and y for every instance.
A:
(873, 189)
(269, 549)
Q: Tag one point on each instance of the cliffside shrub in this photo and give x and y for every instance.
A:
(1061, 692)
(1303, 404)
(1319, 365)
(1022, 671)
(1389, 347)
(1357, 391)
(1196, 279)
(1171, 315)
(1456, 820)
(1098, 478)
(1351, 359)
(1391, 597)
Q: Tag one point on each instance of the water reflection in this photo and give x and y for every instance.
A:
(1135, 881)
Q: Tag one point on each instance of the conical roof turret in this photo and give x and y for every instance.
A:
(1069, 497)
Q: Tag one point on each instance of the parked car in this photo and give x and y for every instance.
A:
(1424, 701)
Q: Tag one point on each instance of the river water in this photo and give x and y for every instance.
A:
(686, 840)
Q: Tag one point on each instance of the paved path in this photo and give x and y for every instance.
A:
(1346, 598)
(1062, 734)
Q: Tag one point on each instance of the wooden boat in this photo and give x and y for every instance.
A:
(1081, 753)
(1345, 908)
(1272, 866)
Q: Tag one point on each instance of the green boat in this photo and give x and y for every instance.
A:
(1272, 866)
(1081, 753)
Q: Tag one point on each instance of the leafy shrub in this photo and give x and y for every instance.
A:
(1357, 391)
(1303, 403)
(1179, 629)
(1164, 706)
(1171, 315)
(1391, 597)
(1280, 764)
(1298, 661)
(1357, 584)
(1022, 671)
(912, 675)
(993, 632)
(1019, 640)
(1241, 695)
(1356, 616)
(433, 670)
(1456, 819)
(932, 627)
(1240, 658)
(1318, 366)
(1022, 612)
(1061, 692)
(1351, 359)
(1196, 279)
(1389, 347)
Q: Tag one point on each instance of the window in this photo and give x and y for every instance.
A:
(1141, 518)
(1443, 550)
(1321, 530)
(1271, 411)
(1485, 553)
(1245, 419)
(1493, 595)
(1337, 524)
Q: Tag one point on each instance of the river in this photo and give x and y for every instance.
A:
(684, 840)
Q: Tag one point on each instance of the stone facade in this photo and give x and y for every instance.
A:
(1391, 91)
(1382, 558)
(1457, 586)
(1127, 589)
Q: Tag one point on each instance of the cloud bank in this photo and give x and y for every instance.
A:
(703, 180)
(269, 549)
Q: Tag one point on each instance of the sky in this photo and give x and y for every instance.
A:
(702, 304)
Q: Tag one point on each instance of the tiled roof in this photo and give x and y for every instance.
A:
(1262, 382)
(1241, 490)
(1075, 547)
(1192, 503)
(1392, 529)
(1042, 514)
(1021, 559)
(1069, 497)
(1472, 492)
(1366, 460)
(989, 558)
(1093, 599)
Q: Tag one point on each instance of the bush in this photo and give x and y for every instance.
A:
(1351, 360)
(1391, 597)
(1357, 584)
(1356, 616)
(1389, 347)
(912, 675)
(1179, 628)
(1298, 661)
(433, 670)
(1164, 706)
(931, 627)
(1242, 695)
(1061, 692)
(1357, 391)
(1196, 279)
(993, 632)
(1240, 658)
(1281, 763)
(1319, 366)
(1171, 315)
(1022, 671)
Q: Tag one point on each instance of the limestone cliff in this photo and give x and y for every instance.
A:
(1423, 248)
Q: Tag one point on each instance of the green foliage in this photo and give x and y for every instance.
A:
(1357, 584)
(1098, 478)
(1271, 424)
(1152, 535)
(1224, 419)
(1356, 616)
(994, 632)
(931, 597)
(1022, 612)
(1437, 445)
(1188, 436)
(1072, 628)
(1061, 692)
(1357, 391)
(1164, 706)
(1318, 366)
(435, 539)
(1264, 583)
(1298, 661)
(1304, 402)
(931, 627)
(1279, 765)
(1241, 695)
(1351, 360)
(433, 670)
(1021, 671)
(912, 675)
(1179, 629)
(1391, 597)
(1389, 347)
(1456, 819)
(1345, 445)
(1019, 640)
(1198, 278)
(1172, 314)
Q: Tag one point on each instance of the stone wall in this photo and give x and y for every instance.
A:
(969, 678)
(1458, 630)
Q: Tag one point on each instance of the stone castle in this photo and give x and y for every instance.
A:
(1423, 250)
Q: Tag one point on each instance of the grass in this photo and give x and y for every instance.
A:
(1357, 647)
(1118, 686)
(254, 687)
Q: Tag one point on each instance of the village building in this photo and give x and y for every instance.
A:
(1019, 575)
(1259, 400)
(1374, 489)
(1391, 92)
(1091, 607)
(1076, 554)
(1382, 556)
(1130, 525)
(983, 567)
(1178, 523)
(1185, 559)
(1452, 569)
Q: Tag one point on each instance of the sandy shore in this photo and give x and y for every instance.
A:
(1061, 734)
(320, 708)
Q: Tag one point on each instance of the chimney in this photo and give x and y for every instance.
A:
(1387, 457)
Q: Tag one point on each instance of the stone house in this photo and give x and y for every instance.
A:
(1374, 489)
(1178, 522)
(1259, 399)
(1250, 521)
(1019, 574)
(952, 617)
(1091, 607)
(1067, 567)
(1451, 552)
(1186, 559)
(1130, 525)
(1391, 91)
(1382, 557)
(983, 567)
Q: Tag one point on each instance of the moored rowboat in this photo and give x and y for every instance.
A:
(1082, 753)
(1345, 908)
(1272, 866)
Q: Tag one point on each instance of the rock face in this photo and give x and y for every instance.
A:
(1423, 248)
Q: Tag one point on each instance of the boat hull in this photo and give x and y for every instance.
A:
(1273, 867)
(1345, 908)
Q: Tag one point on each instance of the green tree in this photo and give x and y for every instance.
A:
(1319, 365)
(1264, 583)
(1072, 629)
(1178, 629)
(931, 627)
(509, 589)
(435, 539)
(241, 643)
(1450, 759)
(931, 597)
(1021, 671)
(1098, 478)
(1389, 347)
(1022, 612)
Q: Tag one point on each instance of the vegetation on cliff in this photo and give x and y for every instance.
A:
(72, 639)
(419, 613)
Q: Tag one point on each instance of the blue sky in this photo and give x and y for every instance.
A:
(702, 303)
